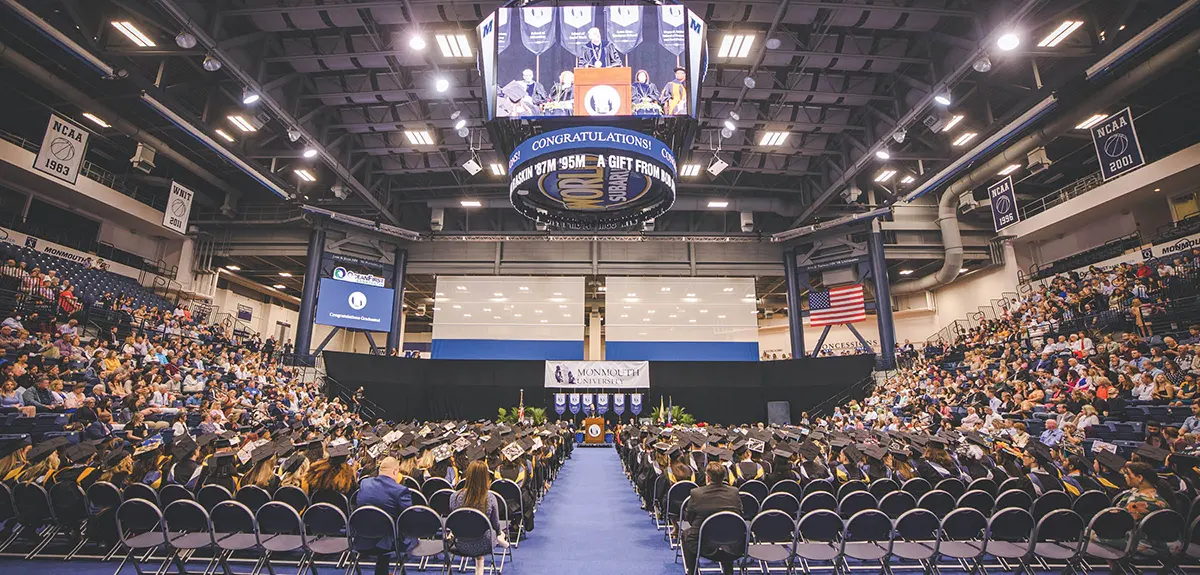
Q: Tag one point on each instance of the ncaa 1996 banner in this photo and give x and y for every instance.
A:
(598, 374)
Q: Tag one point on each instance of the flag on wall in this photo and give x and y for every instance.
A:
(838, 305)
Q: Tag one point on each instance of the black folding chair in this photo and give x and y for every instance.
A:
(788, 486)
(210, 495)
(784, 502)
(1011, 483)
(1090, 503)
(985, 484)
(897, 503)
(963, 537)
(1014, 498)
(70, 507)
(819, 538)
(850, 487)
(750, 506)
(1165, 528)
(819, 485)
(142, 491)
(917, 486)
(818, 500)
(252, 496)
(466, 531)
(433, 485)
(331, 497)
(8, 513)
(1111, 536)
(171, 493)
(440, 502)
(675, 497)
(952, 485)
(1058, 536)
(978, 500)
(1048, 502)
(35, 515)
(140, 528)
(423, 525)
(1192, 549)
(854, 502)
(726, 531)
(1011, 537)
(939, 502)
(756, 488)
(325, 532)
(883, 486)
(187, 529)
(293, 496)
(772, 539)
(103, 500)
(917, 537)
(867, 537)
(280, 530)
(234, 529)
(510, 492)
(371, 534)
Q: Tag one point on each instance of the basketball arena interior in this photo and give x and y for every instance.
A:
(767, 286)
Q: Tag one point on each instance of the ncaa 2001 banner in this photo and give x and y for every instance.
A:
(598, 374)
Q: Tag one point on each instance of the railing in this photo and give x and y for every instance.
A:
(1176, 230)
(1068, 192)
(861, 389)
(1110, 249)
(368, 410)
(102, 250)
(152, 197)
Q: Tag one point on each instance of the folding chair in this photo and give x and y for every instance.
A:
(868, 537)
(726, 531)
(985, 484)
(411, 483)
(897, 503)
(1010, 483)
(233, 529)
(939, 502)
(293, 496)
(210, 495)
(756, 488)
(658, 499)
(252, 496)
(1193, 543)
(1111, 536)
(917, 538)
(963, 537)
(675, 496)
(818, 485)
(917, 486)
(1164, 528)
(788, 486)
(819, 538)
(440, 502)
(140, 528)
(171, 493)
(854, 502)
(103, 499)
(850, 487)
(1058, 536)
(35, 515)
(1011, 537)
(772, 539)
(784, 502)
(187, 529)
(952, 485)
(69, 505)
(466, 528)
(1091, 503)
(280, 530)
(142, 491)
(331, 497)
(325, 532)
(883, 486)
(1014, 498)
(371, 534)
(510, 492)
(818, 500)
(417, 499)
(423, 525)
(1048, 502)
(433, 485)
(750, 506)
(978, 500)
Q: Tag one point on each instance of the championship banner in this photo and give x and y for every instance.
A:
(588, 403)
(670, 29)
(537, 29)
(179, 208)
(598, 374)
(574, 401)
(1117, 145)
(619, 403)
(624, 26)
(635, 403)
(602, 403)
(1004, 204)
(560, 403)
(592, 178)
(63, 149)
(575, 23)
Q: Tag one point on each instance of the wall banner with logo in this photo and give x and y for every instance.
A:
(179, 208)
(598, 374)
(63, 149)
(602, 403)
(1004, 203)
(592, 178)
(619, 403)
(588, 403)
(574, 402)
(1117, 145)
(635, 403)
(560, 403)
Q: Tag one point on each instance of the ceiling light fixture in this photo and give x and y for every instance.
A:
(883, 154)
(690, 170)
(718, 204)
(442, 85)
(1059, 34)
(1090, 122)
(735, 45)
(460, 124)
(1008, 42)
(96, 120)
(310, 152)
(471, 204)
(279, 286)
(954, 120)
(224, 135)
(906, 272)
(983, 65)
(130, 31)
(185, 40)
(497, 169)
(306, 175)
(249, 97)
(963, 270)
(242, 124)
(908, 179)
(943, 98)
(965, 139)
(453, 45)
(285, 274)
(885, 175)
(773, 139)
(419, 138)
(416, 42)
(233, 268)
(211, 63)
(729, 125)
(1010, 169)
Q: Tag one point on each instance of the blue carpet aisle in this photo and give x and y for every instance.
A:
(591, 524)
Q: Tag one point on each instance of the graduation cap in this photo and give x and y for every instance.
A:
(1153, 454)
(712, 450)
(809, 450)
(148, 446)
(739, 445)
(183, 446)
(293, 463)
(262, 452)
(725, 454)
(781, 452)
(223, 457)
(839, 442)
(936, 442)
(1039, 450)
(206, 439)
(976, 438)
(443, 452)
(852, 453)
(1111, 461)
(8, 446)
(474, 453)
(816, 435)
(339, 450)
(222, 442)
(662, 446)
(45, 448)
(408, 452)
(756, 445)
(79, 452)
(875, 452)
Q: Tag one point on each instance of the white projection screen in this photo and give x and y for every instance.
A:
(681, 319)
(508, 317)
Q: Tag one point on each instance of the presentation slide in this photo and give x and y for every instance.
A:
(354, 305)
(591, 61)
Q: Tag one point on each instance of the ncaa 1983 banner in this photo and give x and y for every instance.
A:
(592, 178)
(598, 374)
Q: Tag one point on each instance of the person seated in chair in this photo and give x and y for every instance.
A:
(716, 496)
(384, 492)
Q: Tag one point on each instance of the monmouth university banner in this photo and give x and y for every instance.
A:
(598, 374)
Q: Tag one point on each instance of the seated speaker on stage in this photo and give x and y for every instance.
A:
(645, 95)
(562, 96)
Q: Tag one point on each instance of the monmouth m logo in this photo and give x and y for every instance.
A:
(357, 300)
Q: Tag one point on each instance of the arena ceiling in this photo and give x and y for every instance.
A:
(841, 78)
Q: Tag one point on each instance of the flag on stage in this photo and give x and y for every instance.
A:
(838, 305)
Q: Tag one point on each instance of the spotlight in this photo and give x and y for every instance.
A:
(883, 154)
(463, 132)
(460, 124)
(293, 135)
(211, 63)
(185, 40)
(983, 65)
(773, 43)
(249, 97)
(729, 125)
(310, 152)
(749, 83)
(1008, 42)
(734, 115)
(442, 84)
(900, 135)
(456, 114)
(726, 133)
(417, 42)
(943, 98)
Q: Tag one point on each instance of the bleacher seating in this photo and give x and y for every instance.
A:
(90, 284)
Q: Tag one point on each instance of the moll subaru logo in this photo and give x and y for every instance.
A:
(357, 300)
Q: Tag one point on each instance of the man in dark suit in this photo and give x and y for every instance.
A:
(716, 496)
(385, 493)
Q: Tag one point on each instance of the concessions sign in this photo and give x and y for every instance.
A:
(598, 374)
(592, 178)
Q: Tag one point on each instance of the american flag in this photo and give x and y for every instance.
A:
(838, 305)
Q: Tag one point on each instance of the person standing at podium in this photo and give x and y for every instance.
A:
(597, 53)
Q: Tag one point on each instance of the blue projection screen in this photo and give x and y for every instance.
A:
(355, 306)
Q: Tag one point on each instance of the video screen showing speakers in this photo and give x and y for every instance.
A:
(627, 60)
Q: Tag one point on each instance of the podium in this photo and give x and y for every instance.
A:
(593, 430)
(619, 79)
